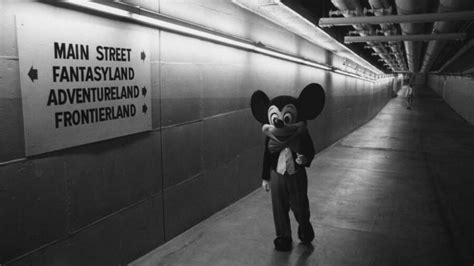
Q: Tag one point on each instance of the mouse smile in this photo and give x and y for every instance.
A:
(283, 134)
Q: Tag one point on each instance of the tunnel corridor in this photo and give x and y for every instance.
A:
(128, 133)
(396, 191)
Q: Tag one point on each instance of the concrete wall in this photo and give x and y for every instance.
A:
(457, 92)
(109, 202)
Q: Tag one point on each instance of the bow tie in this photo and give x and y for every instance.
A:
(291, 132)
(286, 162)
(275, 146)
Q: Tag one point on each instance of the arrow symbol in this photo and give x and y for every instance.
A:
(142, 55)
(143, 91)
(33, 74)
(144, 108)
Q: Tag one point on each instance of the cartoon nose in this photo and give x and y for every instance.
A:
(279, 123)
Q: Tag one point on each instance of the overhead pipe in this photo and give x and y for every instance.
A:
(412, 48)
(412, 18)
(388, 29)
(414, 37)
(435, 47)
(356, 6)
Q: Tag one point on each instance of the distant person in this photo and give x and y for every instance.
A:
(409, 96)
(409, 92)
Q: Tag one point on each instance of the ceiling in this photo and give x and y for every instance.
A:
(398, 56)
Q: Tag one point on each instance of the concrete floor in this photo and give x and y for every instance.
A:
(383, 195)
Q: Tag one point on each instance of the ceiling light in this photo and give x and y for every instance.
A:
(175, 25)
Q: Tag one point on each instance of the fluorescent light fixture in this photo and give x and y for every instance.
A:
(193, 30)
(190, 31)
(309, 63)
(339, 71)
(354, 75)
(214, 37)
(225, 40)
(99, 7)
(286, 17)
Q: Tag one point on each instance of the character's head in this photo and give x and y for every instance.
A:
(284, 117)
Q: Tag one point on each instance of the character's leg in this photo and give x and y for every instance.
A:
(281, 207)
(298, 190)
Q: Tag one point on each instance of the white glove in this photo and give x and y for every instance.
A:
(301, 159)
(266, 185)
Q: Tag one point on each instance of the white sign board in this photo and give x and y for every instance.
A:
(81, 83)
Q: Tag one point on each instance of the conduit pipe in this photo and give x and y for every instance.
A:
(397, 38)
(355, 5)
(388, 29)
(434, 47)
(412, 49)
(412, 18)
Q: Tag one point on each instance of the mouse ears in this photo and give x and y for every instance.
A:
(311, 101)
(259, 105)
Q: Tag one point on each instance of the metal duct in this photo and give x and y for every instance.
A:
(434, 47)
(355, 5)
(389, 29)
(413, 49)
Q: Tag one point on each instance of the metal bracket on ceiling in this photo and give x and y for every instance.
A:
(386, 54)
(333, 13)
(357, 32)
(382, 32)
(364, 11)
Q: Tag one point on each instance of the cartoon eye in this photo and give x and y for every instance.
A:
(288, 118)
(273, 118)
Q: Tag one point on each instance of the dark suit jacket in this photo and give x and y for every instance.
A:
(305, 147)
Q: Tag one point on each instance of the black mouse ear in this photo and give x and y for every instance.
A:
(259, 104)
(311, 101)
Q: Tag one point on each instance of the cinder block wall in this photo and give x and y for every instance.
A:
(110, 202)
(457, 92)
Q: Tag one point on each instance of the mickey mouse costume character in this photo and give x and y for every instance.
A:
(288, 150)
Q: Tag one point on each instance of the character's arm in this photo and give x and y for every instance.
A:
(307, 148)
(266, 162)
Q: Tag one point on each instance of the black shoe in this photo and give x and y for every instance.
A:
(306, 233)
(283, 243)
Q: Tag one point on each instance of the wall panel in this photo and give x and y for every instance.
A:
(457, 92)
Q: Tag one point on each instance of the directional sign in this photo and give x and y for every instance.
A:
(33, 74)
(81, 83)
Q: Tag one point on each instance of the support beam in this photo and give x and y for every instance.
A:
(414, 18)
(397, 38)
